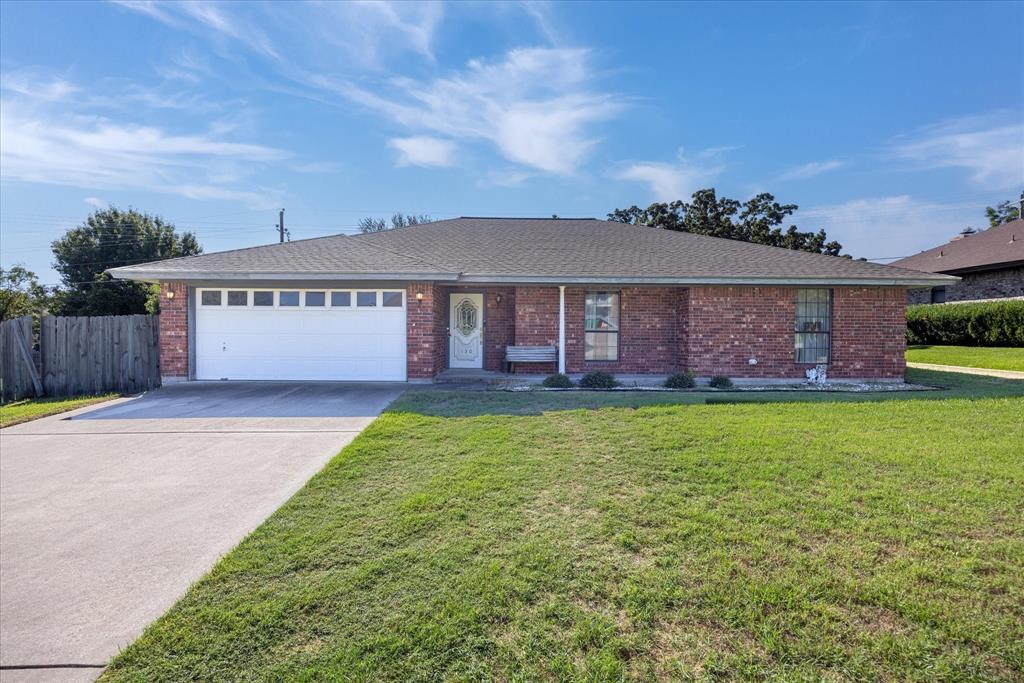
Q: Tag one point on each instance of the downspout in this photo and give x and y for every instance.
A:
(561, 329)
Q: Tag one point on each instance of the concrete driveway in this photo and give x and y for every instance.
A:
(107, 517)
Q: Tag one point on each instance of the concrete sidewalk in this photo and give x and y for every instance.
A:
(107, 518)
(988, 372)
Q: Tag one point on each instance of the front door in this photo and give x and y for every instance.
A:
(466, 323)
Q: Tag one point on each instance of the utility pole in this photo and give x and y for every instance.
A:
(280, 225)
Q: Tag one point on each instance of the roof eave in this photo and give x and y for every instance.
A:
(158, 275)
(924, 280)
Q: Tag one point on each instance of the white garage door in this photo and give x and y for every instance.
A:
(300, 334)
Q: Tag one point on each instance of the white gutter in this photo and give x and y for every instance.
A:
(157, 275)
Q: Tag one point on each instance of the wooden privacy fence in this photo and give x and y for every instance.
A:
(81, 355)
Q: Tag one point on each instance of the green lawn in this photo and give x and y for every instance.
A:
(995, 358)
(472, 537)
(17, 412)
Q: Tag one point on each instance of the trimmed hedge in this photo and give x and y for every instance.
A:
(598, 380)
(991, 323)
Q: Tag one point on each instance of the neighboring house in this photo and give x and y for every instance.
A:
(409, 303)
(990, 265)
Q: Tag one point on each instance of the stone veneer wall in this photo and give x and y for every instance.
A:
(991, 284)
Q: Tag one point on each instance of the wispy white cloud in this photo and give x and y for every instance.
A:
(422, 150)
(810, 170)
(95, 202)
(675, 180)
(205, 17)
(35, 84)
(52, 145)
(896, 225)
(504, 177)
(989, 147)
(535, 105)
(374, 33)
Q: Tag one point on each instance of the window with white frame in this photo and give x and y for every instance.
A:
(813, 325)
(601, 326)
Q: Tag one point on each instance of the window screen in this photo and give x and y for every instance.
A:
(813, 325)
(601, 333)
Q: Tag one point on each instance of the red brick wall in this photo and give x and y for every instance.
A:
(726, 326)
(174, 331)
(499, 325)
(536, 324)
(869, 334)
(426, 330)
(650, 323)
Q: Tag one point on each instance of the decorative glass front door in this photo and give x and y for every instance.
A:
(466, 325)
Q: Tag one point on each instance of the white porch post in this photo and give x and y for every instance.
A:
(561, 329)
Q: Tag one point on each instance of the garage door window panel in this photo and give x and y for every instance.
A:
(392, 299)
(366, 299)
(210, 297)
(238, 297)
(341, 299)
(288, 299)
(315, 299)
(262, 298)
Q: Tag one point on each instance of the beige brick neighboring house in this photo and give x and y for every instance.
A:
(412, 303)
(990, 265)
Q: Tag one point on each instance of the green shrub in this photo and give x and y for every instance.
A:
(680, 380)
(990, 323)
(720, 382)
(557, 381)
(598, 380)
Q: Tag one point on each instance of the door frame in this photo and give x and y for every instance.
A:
(483, 328)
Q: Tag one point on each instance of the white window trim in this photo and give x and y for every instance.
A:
(328, 306)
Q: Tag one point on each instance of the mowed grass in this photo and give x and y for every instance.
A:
(996, 358)
(870, 540)
(17, 412)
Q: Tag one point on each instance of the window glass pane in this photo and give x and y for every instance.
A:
(601, 311)
(366, 298)
(813, 325)
(238, 298)
(315, 298)
(288, 299)
(341, 298)
(393, 299)
(262, 298)
(601, 346)
(211, 297)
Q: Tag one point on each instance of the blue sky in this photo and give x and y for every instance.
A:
(891, 125)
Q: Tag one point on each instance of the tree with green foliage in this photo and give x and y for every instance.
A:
(21, 294)
(399, 220)
(1004, 212)
(110, 238)
(756, 220)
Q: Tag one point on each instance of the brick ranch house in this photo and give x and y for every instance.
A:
(989, 263)
(410, 303)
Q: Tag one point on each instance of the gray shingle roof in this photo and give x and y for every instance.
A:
(1001, 246)
(528, 250)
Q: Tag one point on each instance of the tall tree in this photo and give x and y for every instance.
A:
(756, 220)
(399, 220)
(1004, 212)
(21, 294)
(107, 239)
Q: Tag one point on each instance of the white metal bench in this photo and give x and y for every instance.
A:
(531, 354)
